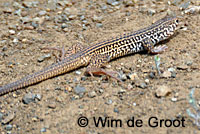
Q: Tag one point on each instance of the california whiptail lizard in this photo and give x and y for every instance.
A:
(96, 56)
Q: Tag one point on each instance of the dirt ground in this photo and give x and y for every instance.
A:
(26, 27)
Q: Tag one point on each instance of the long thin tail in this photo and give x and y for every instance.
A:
(49, 72)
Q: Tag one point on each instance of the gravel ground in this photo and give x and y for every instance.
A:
(54, 105)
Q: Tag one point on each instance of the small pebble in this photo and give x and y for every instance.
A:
(116, 110)
(52, 105)
(72, 17)
(92, 94)
(64, 25)
(184, 5)
(7, 10)
(134, 104)
(12, 32)
(173, 74)
(189, 63)
(174, 99)
(26, 20)
(121, 91)
(42, 58)
(133, 76)
(78, 90)
(143, 85)
(78, 72)
(146, 81)
(35, 25)
(15, 40)
(151, 11)
(38, 97)
(100, 91)
(109, 102)
(8, 118)
(123, 77)
(43, 130)
(28, 98)
(152, 75)
(99, 25)
(8, 127)
(1, 116)
(162, 91)
(42, 13)
(166, 74)
(27, 4)
(182, 67)
(192, 10)
(97, 18)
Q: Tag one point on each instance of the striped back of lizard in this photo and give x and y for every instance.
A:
(135, 41)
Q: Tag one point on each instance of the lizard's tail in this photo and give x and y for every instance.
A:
(49, 72)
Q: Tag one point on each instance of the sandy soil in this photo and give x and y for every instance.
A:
(60, 106)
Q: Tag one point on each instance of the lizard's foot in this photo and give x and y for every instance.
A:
(100, 71)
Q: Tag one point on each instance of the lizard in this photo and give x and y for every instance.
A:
(98, 55)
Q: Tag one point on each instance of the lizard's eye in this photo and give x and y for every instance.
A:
(177, 21)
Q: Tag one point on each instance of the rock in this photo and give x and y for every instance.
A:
(133, 76)
(35, 25)
(152, 75)
(121, 91)
(78, 72)
(26, 19)
(16, 5)
(123, 77)
(27, 4)
(43, 130)
(109, 102)
(28, 98)
(184, 5)
(130, 86)
(173, 74)
(8, 127)
(68, 88)
(182, 67)
(92, 94)
(99, 25)
(189, 63)
(192, 10)
(143, 85)
(42, 58)
(8, 118)
(52, 105)
(72, 17)
(12, 32)
(151, 11)
(97, 18)
(162, 91)
(82, 17)
(7, 10)
(78, 90)
(15, 40)
(42, 13)
(100, 91)
(146, 81)
(174, 99)
(113, 2)
(38, 97)
(64, 25)
(116, 110)
(1, 116)
(166, 74)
